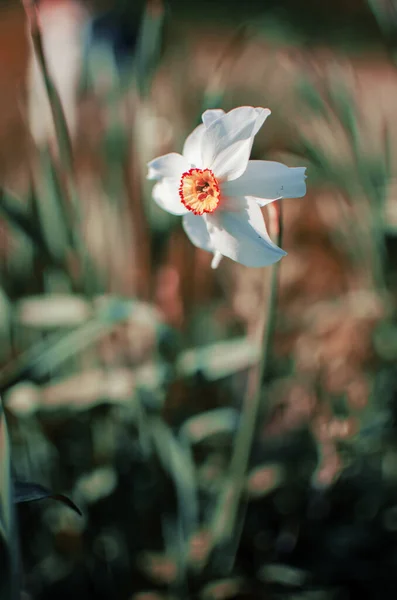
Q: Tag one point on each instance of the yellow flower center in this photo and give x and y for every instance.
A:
(199, 191)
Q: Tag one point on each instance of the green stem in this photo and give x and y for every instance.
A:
(226, 515)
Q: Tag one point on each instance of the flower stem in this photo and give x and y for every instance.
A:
(226, 528)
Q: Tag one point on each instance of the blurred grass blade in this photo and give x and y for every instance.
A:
(177, 462)
(61, 128)
(25, 491)
(41, 360)
(219, 360)
(344, 107)
(9, 580)
(49, 311)
(18, 217)
(312, 97)
(52, 213)
(62, 207)
(385, 12)
(149, 44)
(175, 547)
(38, 367)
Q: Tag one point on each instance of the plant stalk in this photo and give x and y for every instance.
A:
(226, 527)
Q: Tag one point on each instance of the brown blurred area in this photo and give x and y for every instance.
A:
(14, 53)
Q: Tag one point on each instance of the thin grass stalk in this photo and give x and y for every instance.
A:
(61, 168)
(226, 518)
(58, 116)
(9, 569)
(139, 217)
(149, 45)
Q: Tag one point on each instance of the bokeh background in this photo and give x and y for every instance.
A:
(124, 357)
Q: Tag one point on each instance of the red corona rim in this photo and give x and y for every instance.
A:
(199, 191)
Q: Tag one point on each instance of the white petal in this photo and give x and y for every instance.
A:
(232, 203)
(232, 161)
(243, 236)
(216, 260)
(227, 142)
(166, 194)
(196, 229)
(169, 165)
(270, 180)
(192, 146)
(211, 115)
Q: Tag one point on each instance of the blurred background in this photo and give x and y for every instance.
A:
(124, 358)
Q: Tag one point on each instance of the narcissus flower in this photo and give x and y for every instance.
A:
(219, 191)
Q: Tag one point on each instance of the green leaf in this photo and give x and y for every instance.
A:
(283, 574)
(149, 45)
(45, 357)
(312, 97)
(20, 218)
(177, 461)
(26, 491)
(385, 12)
(344, 108)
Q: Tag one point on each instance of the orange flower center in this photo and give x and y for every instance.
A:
(199, 191)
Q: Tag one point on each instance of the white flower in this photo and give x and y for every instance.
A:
(219, 191)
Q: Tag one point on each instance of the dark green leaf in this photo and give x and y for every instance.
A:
(26, 491)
